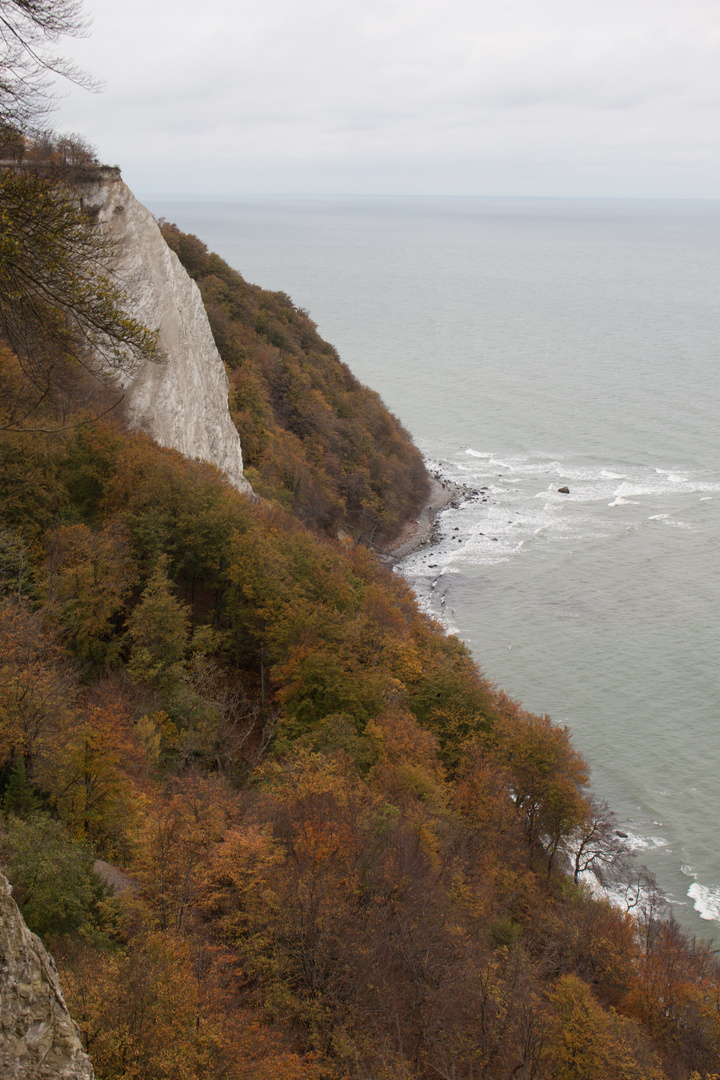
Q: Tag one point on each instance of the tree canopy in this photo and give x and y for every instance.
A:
(344, 852)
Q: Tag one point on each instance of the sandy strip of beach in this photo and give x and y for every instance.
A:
(416, 531)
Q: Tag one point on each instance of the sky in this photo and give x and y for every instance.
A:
(614, 98)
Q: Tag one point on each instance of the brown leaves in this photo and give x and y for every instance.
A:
(88, 578)
(36, 687)
(547, 776)
(88, 769)
(587, 1042)
(163, 1009)
(174, 842)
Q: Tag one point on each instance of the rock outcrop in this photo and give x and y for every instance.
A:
(38, 1039)
(181, 402)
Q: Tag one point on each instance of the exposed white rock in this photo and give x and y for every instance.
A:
(38, 1039)
(183, 402)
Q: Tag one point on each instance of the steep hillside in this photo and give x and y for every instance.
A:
(313, 437)
(346, 854)
(350, 855)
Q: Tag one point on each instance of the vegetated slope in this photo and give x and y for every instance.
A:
(313, 437)
(348, 849)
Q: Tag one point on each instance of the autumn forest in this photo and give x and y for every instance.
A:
(272, 822)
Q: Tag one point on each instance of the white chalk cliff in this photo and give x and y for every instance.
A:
(38, 1039)
(183, 401)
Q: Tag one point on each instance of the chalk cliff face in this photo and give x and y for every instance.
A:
(182, 402)
(38, 1039)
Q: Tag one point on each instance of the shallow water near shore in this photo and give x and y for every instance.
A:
(530, 345)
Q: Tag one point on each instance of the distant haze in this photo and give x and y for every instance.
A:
(476, 97)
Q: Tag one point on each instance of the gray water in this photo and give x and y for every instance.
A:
(528, 345)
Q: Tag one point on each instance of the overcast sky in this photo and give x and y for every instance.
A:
(476, 97)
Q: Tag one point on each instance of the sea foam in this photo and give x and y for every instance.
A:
(706, 901)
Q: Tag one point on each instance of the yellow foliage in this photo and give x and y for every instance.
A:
(588, 1042)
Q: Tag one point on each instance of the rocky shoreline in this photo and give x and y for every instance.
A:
(424, 530)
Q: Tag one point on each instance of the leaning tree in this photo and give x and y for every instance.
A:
(60, 310)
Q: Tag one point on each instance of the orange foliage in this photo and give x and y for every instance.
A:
(162, 1010)
(87, 768)
(89, 576)
(36, 689)
(339, 833)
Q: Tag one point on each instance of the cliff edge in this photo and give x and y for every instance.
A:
(181, 402)
(38, 1039)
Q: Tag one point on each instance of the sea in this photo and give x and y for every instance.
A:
(532, 345)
